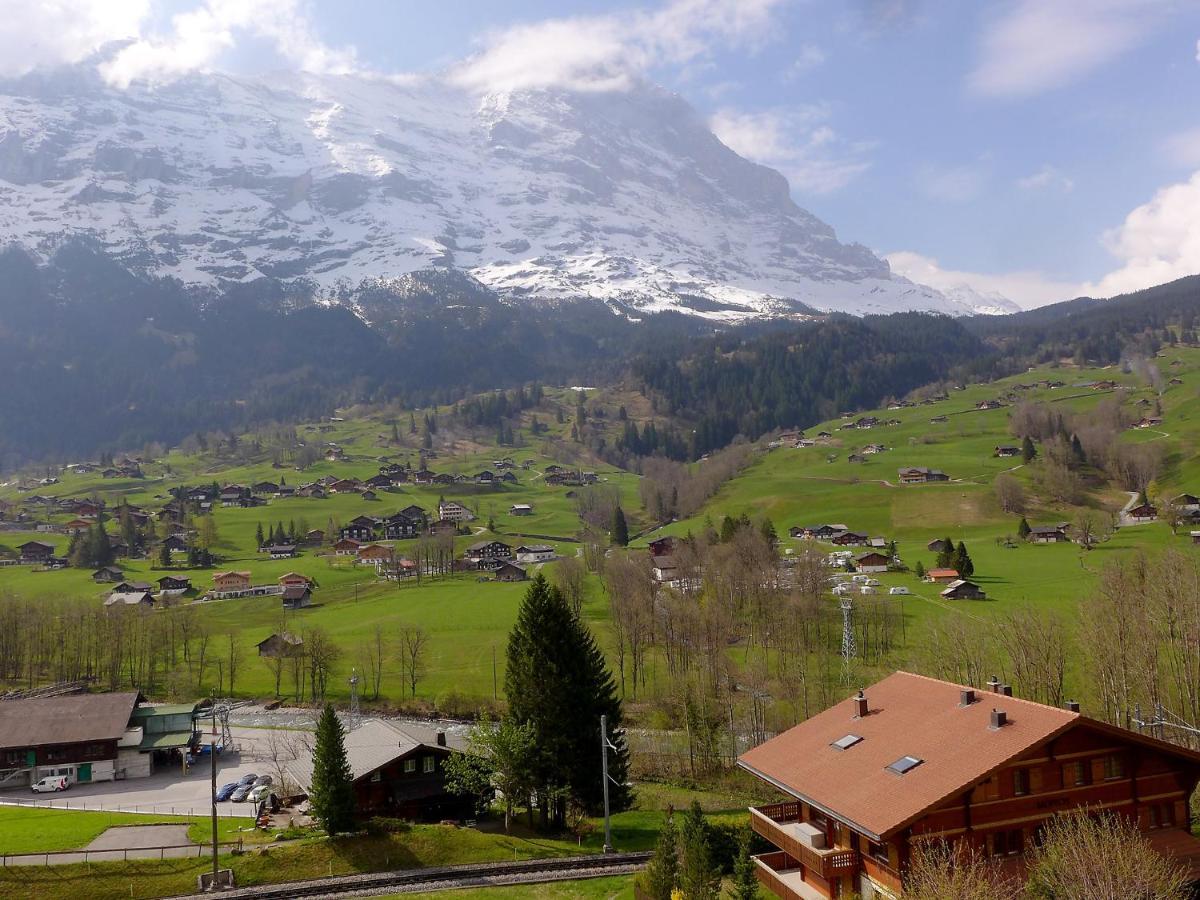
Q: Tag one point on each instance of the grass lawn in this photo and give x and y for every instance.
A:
(26, 829)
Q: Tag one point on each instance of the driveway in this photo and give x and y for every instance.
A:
(169, 791)
(120, 843)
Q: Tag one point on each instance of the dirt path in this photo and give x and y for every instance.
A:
(120, 843)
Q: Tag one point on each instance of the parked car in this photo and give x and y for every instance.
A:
(51, 784)
(263, 779)
(259, 793)
(899, 590)
(243, 791)
(248, 778)
(225, 791)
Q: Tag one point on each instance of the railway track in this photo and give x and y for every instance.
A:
(441, 878)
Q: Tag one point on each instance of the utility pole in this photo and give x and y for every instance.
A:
(212, 756)
(604, 745)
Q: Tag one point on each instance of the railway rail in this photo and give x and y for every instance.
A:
(475, 875)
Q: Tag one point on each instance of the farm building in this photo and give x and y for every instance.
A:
(1145, 512)
(397, 772)
(1048, 534)
(172, 586)
(281, 644)
(941, 576)
(871, 561)
(535, 553)
(963, 590)
(454, 511)
(297, 596)
(521, 509)
(510, 572)
(920, 475)
(912, 756)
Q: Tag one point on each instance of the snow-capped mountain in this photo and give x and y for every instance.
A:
(622, 197)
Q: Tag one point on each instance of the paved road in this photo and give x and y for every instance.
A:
(122, 842)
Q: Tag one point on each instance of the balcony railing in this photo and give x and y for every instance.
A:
(772, 823)
(777, 873)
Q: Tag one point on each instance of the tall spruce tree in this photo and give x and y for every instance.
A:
(661, 876)
(1028, 451)
(962, 561)
(699, 877)
(745, 881)
(558, 682)
(620, 528)
(945, 557)
(1023, 528)
(332, 792)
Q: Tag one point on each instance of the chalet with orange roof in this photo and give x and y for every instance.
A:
(914, 758)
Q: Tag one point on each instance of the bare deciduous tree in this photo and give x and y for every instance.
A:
(413, 647)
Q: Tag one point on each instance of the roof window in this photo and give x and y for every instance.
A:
(904, 765)
(845, 743)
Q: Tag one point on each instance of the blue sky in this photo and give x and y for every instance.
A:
(1041, 149)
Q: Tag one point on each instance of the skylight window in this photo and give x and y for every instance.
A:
(845, 743)
(904, 765)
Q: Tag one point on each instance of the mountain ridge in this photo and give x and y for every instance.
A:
(626, 198)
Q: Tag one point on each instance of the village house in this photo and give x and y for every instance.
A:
(856, 458)
(129, 587)
(173, 586)
(77, 526)
(535, 553)
(346, 547)
(345, 486)
(666, 571)
(379, 482)
(941, 576)
(230, 583)
(292, 579)
(521, 509)
(664, 546)
(281, 645)
(510, 572)
(280, 551)
(871, 561)
(368, 494)
(35, 551)
(297, 596)
(374, 554)
(314, 536)
(1187, 503)
(267, 488)
(914, 758)
(988, 404)
(360, 528)
(129, 598)
(454, 511)
(1048, 534)
(489, 554)
(850, 539)
(1145, 512)
(1004, 450)
(400, 526)
(397, 772)
(175, 544)
(107, 574)
(921, 475)
(962, 589)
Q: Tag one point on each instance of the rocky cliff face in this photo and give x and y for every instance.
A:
(544, 196)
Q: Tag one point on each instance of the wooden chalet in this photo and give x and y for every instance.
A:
(510, 572)
(297, 596)
(106, 574)
(961, 589)
(281, 644)
(346, 547)
(1145, 512)
(920, 475)
(850, 539)
(912, 759)
(941, 576)
(36, 551)
(173, 586)
(225, 582)
(1006, 450)
(871, 561)
(1048, 534)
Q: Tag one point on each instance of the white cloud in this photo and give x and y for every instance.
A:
(57, 32)
(1159, 241)
(953, 184)
(809, 57)
(796, 141)
(607, 52)
(1026, 289)
(1042, 44)
(201, 35)
(1046, 178)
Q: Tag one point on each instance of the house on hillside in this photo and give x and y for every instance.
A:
(175, 544)
(850, 539)
(521, 509)
(346, 547)
(264, 488)
(230, 582)
(510, 572)
(454, 511)
(360, 528)
(35, 551)
(280, 551)
(1145, 512)
(665, 569)
(345, 486)
(129, 598)
(107, 574)
(280, 645)
(379, 482)
(489, 554)
(291, 579)
(173, 586)
(1187, 503)
(664, 546)
(1048, 534)
(535, 553)
(979, 768)
(920, 475)
(963, 590)
(77, 526)
(1007, 450)
(871, 561)
(415, 513)
(401, 527)
(988, 404)
(374, 554)
(941, 576)
(297, 596)
(314, 536)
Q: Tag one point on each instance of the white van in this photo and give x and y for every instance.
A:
(50, 784)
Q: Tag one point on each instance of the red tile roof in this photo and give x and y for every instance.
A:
(908, 715)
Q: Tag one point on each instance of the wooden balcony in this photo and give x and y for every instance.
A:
(783, 877)
(774, 824)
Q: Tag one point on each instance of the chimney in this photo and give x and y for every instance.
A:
(1071, 706)
(1006, 690)
(993, 684)
(999, 719)
(441, 739)
(860, 704)
(966, 697)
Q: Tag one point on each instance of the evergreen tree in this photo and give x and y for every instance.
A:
(412, 424)
(620, 528)
(258, 536)
(699, 878)
(745, 882)
(1077, 450)
(919, 569)
(728, 529)
(557, 682)
(1028, 451)
(962, 561)
(395, 432)
(945, 557)
(332, 791)
(1023, 528)
(164, 555)
(661, 876)
(768, 532)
